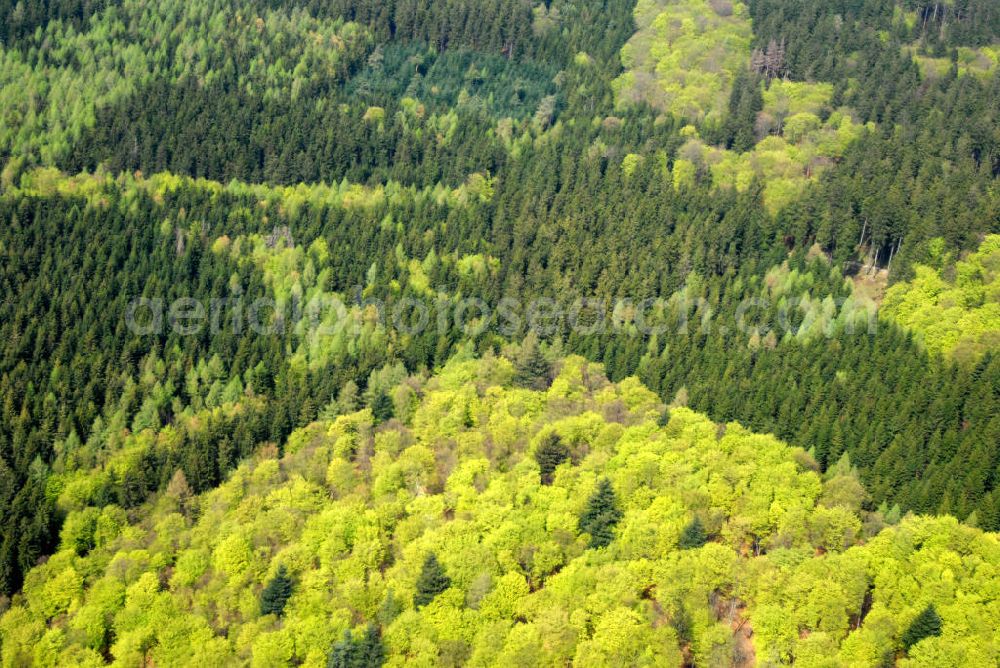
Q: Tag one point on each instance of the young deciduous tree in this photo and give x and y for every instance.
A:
(180, 491)
(347, 399)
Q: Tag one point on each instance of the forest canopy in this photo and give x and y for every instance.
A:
(664, 331)
(437, 529)
(954, 307)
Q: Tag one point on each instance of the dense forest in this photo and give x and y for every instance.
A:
(482, 522)
(779, 217)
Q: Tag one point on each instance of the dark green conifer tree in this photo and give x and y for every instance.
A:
(342, 654)
(276, 593)
(382, 408)
(370, 650)
(551, 452)
(693, 536)
(433, 580)
(366, 652)
(927, 624)
(532, 369)
(601, 515)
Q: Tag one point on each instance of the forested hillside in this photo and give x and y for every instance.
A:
(488, 524)
(247, 249)
(955, 306)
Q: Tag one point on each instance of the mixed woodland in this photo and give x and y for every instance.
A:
(815, 479)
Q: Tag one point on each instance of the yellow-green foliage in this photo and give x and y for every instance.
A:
(683, 59)
(352, 511)
(784, 98)
(785, 164)
(331, 326)
(794, 295)
(285, 201)
(685, 55)
(114, 450)
(50, 90)
(982, 62)
(957, 316)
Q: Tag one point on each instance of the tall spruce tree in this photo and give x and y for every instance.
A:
(433, 580)
(370, 650)
(365, 652)
(342, 653)
(551, 452)
(532, 369)
(693, 536)
(382, 408)
(927, 624)
(601, 515)
(276, 593)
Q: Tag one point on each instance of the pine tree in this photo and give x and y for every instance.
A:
(276, 593)
(551, 452)
(391, 608)
(367, 652)
(370, 651)
(601, 515)
(683, 624)
(347, 399)
(693, 536)
(927, 624)
(433, 580)
(382, 408)
(179, 491)
(532, 369)
(745, 102)
(342, 653)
